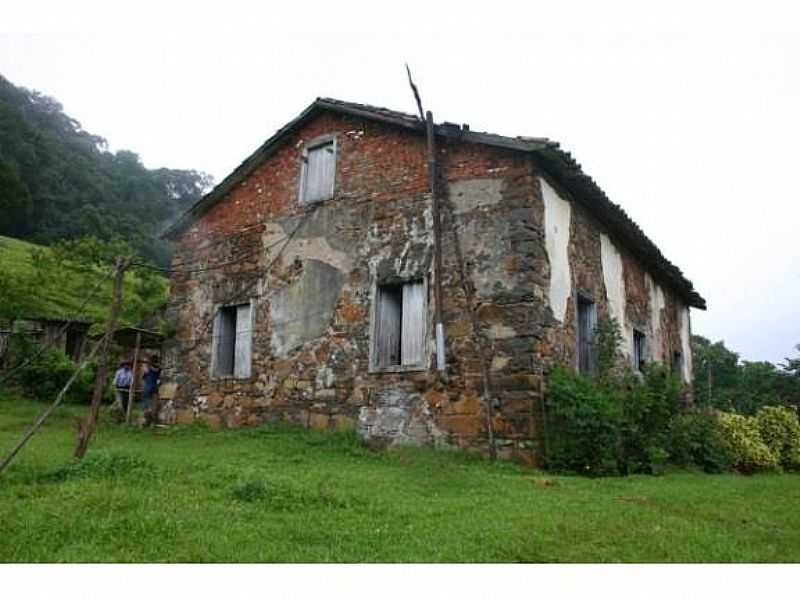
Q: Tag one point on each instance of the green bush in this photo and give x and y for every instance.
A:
(583, 423)
(48, 371)
(615, 424)
(695, 439)
(647, 409)
(780, 431)
(743, 439)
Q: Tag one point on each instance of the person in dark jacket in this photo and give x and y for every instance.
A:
(150, 381)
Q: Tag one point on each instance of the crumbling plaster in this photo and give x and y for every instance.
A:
(686, 345)
(614, 279)
(657, 304)
(557, 221)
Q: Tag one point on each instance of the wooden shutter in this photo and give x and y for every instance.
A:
(413, 333)
(591, 346)
(224, 341)
(388, 327)
(587, 321)
(319, 173)
(242, 351)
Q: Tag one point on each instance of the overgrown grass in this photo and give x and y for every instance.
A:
(278, 494)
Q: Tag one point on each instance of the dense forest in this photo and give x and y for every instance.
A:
(58, 181)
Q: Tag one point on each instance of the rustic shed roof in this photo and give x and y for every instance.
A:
(556, 162)
(126, 337)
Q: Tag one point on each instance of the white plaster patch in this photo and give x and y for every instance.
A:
(471, 194)
(501, 332)
(614, 279)
(316, 248)
(557, 218)
(499, 362)
(657, 304)
(325, 377)
(686, 348)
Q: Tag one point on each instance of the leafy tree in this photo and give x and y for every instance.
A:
(15, 201)
(792, 365)
(716, 372)
(724, 382)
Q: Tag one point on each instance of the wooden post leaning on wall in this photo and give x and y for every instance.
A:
(87, 427)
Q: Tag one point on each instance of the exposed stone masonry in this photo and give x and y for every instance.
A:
(311, 275)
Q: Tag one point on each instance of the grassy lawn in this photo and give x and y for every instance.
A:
(275, 494)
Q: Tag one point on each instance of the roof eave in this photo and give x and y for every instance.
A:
(564, 167)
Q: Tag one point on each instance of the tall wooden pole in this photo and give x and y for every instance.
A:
(437, 243)
(86, 429)
(132, 390)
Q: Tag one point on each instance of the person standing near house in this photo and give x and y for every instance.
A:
(122, 385)
(150, 381)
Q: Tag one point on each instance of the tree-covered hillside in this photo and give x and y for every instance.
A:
(58, 181)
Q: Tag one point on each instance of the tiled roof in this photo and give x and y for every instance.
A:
(555, 161)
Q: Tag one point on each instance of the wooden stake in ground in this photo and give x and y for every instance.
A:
(86, 429)
(43, 417)
(132, 390)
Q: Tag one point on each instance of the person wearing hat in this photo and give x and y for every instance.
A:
(122, 384)
(150, 380)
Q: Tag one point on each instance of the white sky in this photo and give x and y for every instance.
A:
(686, 114)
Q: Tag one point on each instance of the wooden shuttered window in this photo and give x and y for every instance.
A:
(587, 321)
(413, 330)
(243, 343)
(639, 356)
(389, 325)
(677, 363)
(318, 173)
(400, 325)
(232, 341)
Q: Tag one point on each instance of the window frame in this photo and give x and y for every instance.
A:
(322, 140)
(639, 350)
(585, 299)
(213, 375)
(422, 365)
(676, 365)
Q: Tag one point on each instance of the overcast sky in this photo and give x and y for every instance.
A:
(686, 115)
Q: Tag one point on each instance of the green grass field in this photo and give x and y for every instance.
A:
(277, 494)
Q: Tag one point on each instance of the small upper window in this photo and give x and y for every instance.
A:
(232, 342)
(400, 325)
(318, 172)
(639, 350)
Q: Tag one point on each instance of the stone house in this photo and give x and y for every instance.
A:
(303, 284)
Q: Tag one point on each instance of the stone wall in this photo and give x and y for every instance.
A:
(311, 275)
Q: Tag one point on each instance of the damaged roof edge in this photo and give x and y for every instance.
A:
(556, 162)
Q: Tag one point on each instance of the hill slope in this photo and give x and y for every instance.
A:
(41, 289)
(58, 181)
